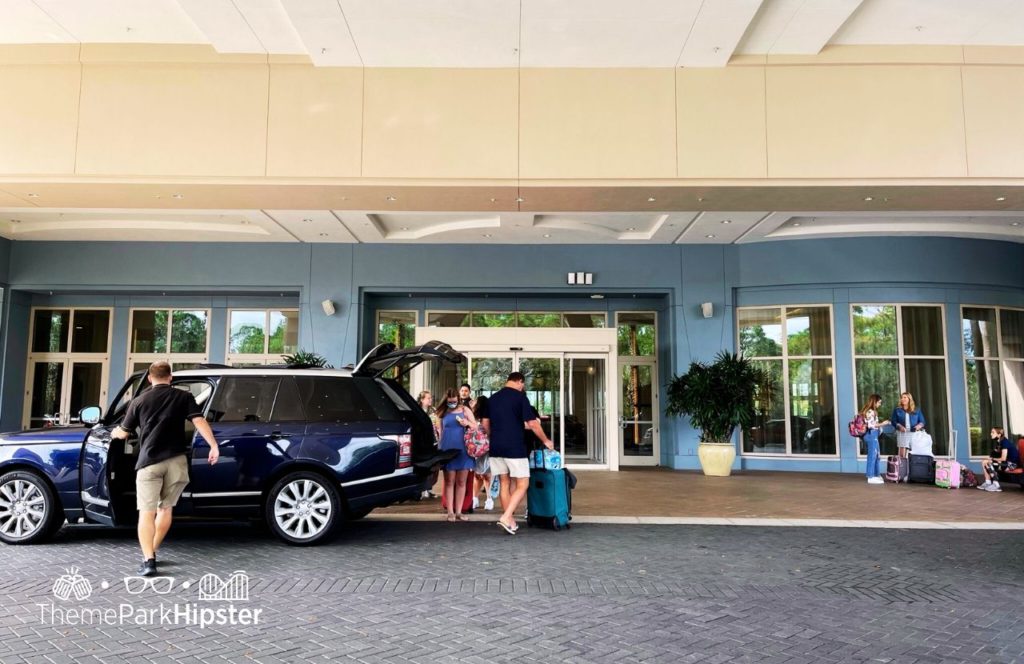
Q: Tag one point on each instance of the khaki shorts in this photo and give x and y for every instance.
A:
(160, 484)
(512, 467)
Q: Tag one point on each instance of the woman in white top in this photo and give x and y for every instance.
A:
(870, 413)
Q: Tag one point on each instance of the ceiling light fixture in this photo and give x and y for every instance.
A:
(323, 235)
(710, 236)
(869, 198)
(390, 198)
(520, 199)
(1015, 223)
(494, 200)
(651, 199)
(547, 235)
(796, 224)
(597, 296)
(307, 220)
(631, 228)
(405, 228)
(179, 196)
(700, 200)
(487, 235)
(727, 221)
(998, 198)
(15, 221)
(33, 195)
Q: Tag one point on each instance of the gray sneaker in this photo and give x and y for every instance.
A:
(994, 487)
(984, 486)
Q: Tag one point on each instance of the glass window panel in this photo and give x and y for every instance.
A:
(637, 399)
(448, 319)
(330, 399)
(494, 319)
(585, 320)
(1011, 331)
(489, 374)
(47, 385)
(149, 331)
(140, 366)
(767, 434)
(1013, 380)
(50, 331)
(248, 332)
(284, 332)
(922, 331)
(288, 405)
(926, 380)
(984, 403)
(881, 377)
(91, 331)
(188, 331)
(761, 332)
(86, 386)
(243, 399)
(636, 334)
(812, 420)
(979, 331)
(539, 319)
(185, 366)
(808, 331)
(397, 327)
(874, 330)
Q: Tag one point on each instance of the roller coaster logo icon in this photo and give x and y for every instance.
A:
(233, 589)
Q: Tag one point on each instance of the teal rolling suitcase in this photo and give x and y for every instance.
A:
(548, 499)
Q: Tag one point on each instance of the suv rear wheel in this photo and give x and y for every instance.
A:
(302, 508)
(28, 508)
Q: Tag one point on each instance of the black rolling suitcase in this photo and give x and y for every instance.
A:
(922, 469)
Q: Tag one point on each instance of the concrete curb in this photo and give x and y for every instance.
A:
(735, 521)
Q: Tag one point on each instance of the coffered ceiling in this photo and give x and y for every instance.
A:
(511, 33)
(350, 226)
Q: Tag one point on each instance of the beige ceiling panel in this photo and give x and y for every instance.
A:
(721, 131)
(440, 123)
(862, 121)
(597, 123)
(315, 121)
(994, 112)
(38, 123)
(10, 200)
(173, 120)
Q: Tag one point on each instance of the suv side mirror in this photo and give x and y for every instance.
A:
(90, 415)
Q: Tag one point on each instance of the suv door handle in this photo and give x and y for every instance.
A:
(278, 435)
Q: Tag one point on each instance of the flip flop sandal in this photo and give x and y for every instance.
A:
(461, 517)
(508, 529)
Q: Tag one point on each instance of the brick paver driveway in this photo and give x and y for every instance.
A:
(436, 592)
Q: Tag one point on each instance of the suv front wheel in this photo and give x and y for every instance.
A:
(302, 508)
(29, 511)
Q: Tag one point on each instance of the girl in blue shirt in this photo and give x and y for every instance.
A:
(906, 417)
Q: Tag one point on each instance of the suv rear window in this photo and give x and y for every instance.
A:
(333, 399)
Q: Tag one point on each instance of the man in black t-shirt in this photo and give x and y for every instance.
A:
(162, 470)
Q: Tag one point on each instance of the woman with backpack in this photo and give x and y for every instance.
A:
(870, 414)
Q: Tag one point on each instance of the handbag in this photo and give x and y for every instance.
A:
(476, 442)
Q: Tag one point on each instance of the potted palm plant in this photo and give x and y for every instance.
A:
(717, 397)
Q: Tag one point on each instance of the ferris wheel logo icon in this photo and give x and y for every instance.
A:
(233, 589)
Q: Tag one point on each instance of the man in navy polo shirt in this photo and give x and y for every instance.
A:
(509, 411)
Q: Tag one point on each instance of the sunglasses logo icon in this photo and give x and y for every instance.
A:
(161, 585)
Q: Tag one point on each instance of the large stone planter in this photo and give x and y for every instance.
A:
(716, 458)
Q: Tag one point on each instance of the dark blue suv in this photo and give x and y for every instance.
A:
(304, 448)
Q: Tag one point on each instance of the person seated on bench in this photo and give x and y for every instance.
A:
(1005, 456)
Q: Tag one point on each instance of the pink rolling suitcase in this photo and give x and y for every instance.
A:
(947, 471)
(897, 469)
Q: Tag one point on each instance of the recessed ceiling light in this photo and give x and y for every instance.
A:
(700, 200)
(869, 198)
(405, 228)
(631, 228)
(547, 235)
(597, 296)
(15, 221)
(307, 220)
(651, 199)
(390, 198)
(1000, 198)
(710, 236)
(245, 221)
(795, 224)
(919, 28)
(494, 200)
(727, 221)
(33, 195)
(487, 235)
(1015, 223)
(520, 199)
(323, 235)
(177, 196)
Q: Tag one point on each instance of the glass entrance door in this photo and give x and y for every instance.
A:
(60, 389)
(586, 412)
(638, 430)
(544, 390)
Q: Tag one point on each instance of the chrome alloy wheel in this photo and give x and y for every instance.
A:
(302, 508)
(22, 508)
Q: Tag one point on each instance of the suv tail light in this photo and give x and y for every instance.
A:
(404, 442)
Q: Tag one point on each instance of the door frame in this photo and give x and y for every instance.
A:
(655, 458)
(68, 359)
(556, 343)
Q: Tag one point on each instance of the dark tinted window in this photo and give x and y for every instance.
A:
(332, 399)
(288, 405)
(383, 398)
(244, 399)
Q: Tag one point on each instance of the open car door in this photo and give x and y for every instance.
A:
(385, 357)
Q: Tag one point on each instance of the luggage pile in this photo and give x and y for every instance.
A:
(921, 467)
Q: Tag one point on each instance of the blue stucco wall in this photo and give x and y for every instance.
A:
(673, 280)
